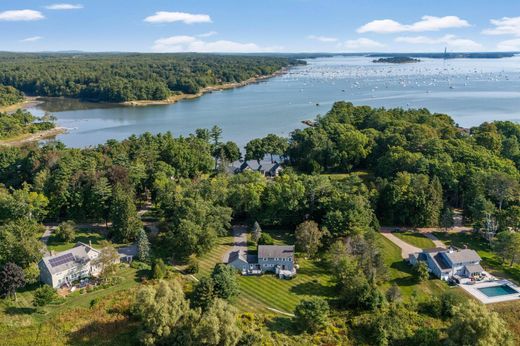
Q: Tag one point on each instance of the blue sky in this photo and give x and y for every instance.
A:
(260, 26)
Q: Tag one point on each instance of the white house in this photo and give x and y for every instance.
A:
(448, 263)
(67, 266)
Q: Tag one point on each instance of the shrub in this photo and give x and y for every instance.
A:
(159, 269)
(66, 231)
(193, 265)
(44, 295)
(312, 314)
(265, 239)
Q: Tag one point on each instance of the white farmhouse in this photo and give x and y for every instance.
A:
(67, 266)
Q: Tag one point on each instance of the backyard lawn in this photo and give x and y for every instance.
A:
(414, 238)
(258, 293)
(82, 235)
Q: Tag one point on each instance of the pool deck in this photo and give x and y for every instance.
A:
(474, 291)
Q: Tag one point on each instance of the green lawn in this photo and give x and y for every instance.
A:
(82, 235)
(414, 238)
(490, 261)
(257, 293)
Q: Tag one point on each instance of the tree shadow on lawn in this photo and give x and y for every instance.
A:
(15, 310)
(313, 288)
(115, 332)
(405, 268)
(282, 325)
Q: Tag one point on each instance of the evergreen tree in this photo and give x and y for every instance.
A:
(125, 221)
(143, 246)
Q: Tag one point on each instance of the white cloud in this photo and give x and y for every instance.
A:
(20, 15)
(208, 34)
(193, 44)
(504, 26)
(322, 38)
(64, 7)
(363, 43)
(509, 45)
(31, 39)
(427, 23)
(171, 17)
(451, 41)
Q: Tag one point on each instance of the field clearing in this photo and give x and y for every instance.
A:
(258, 293)
(415, 239)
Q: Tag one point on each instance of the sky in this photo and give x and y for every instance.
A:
(260, 25)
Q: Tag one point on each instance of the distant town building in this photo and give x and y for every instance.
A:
(268, 169)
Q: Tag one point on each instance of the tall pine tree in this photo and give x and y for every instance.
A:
(125, 221)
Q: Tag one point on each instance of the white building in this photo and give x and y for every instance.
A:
(448, 263)
(67, 266)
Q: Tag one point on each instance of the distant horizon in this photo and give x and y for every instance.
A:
(72, 51)
(270, 26)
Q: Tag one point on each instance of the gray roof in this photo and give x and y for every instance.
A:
(237, 255)
(463, 256)
(68, 259)
(474, 268)
(275, 251)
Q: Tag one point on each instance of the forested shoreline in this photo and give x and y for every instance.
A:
(356, 169)
(130, 77)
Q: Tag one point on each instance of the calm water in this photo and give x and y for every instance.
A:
(470, 90)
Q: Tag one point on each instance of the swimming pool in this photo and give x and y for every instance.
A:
(495, 291)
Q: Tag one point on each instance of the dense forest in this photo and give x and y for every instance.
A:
(357, 168)
(128, 77)
(9, 96)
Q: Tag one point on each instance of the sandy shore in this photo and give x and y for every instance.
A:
(29, 101)
(32, 137)
(176, 98)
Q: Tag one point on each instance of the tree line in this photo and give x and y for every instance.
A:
(127, 77)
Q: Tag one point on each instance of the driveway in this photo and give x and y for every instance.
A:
(239, 242)
(406, 249)
(435, 240)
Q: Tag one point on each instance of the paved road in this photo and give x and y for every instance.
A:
(239, 242)
(406, 249)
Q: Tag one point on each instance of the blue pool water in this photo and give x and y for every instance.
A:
(495, 291)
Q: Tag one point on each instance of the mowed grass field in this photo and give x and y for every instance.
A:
(415, 239)
(266, 292)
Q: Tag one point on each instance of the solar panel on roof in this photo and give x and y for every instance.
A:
(61, 259)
